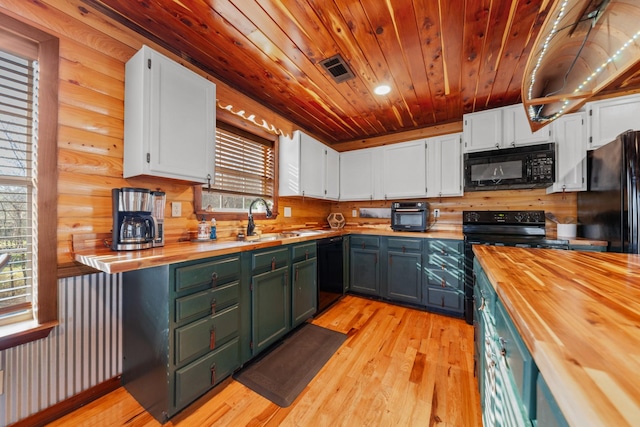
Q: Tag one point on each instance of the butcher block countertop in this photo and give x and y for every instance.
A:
(579, 315)
(111, 262)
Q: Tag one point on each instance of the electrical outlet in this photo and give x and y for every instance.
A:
(436, 213)
(287, 212)
(1, 382)
(354, 213)
(176, 209)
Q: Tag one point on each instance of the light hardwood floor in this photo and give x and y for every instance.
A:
(398, 367)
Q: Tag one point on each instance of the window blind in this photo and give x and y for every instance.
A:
(244, 164)
(18, 130)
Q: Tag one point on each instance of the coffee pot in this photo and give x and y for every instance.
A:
(134, 227)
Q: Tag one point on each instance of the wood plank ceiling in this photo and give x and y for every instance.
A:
(442, 58)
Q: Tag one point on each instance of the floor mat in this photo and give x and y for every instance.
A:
(286, 370)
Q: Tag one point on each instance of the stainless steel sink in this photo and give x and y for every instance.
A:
(267, 237)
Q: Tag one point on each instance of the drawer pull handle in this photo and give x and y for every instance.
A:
(390, 259)
(214, 279)
(296, 279)
(306, 255)
(212, 339)
(213, 374)
(362, 245)
(213, 306)
(444, 267)
(482, 304)
(404, 249)
(503, 345)
(443, 283)
(273, 263)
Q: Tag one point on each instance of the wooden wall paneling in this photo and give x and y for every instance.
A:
(84, 141)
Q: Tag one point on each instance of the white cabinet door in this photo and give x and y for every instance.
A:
(451, 161)
(517, 130)
(308, 168)
(312, 167)
(404, 170)
(610, 117)
(571, 161)
(169, 119)
(482, 130)
(356, 175)
(444, 166)
(332, 174)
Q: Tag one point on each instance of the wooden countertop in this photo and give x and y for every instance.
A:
(111, 262)
(579, 315)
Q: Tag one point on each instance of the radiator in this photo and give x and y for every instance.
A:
(83, 351)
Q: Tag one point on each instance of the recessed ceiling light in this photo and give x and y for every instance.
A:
(382, 90)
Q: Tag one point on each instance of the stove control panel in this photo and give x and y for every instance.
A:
(504, 217)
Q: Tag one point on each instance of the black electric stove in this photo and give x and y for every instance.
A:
(524, 229)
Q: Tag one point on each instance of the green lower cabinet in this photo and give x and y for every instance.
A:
(304, 295)
(196, 378)
(365, 271)
(588, 248)
(404, 281)
(444, 276)
(270, 307)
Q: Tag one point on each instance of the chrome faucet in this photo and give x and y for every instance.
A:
(250, 225)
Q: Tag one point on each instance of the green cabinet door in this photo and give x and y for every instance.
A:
(304, 295)
(270, 307)
(404, 278)
(365, 273)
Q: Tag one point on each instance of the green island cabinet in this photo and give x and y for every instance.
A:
(180, 332)
(364, 254)
(270, 289)
(403, 266)
(512, 390)
(304, 289)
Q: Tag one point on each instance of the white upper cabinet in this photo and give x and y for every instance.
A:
(517, 130)
(610, 117)
(482, 130)
(571, 161)
(357, 174)
(169, 120)
(307, 167)
(404, 170)
(501, 128)
(444, 166)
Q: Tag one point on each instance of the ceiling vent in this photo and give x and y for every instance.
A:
(337, 68)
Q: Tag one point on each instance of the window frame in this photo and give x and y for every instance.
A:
(45, 292)
(241, 128)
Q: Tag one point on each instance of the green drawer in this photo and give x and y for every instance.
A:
(204, 335)
(445, 279)
(445, 298)
(404, 244)
(365, 242)
(270, 259)
(196, 378)
(212, 273)
(207, 302)
(446, 247)
(303, 252)
(445, 262)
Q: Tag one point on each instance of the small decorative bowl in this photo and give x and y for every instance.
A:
(336, 220)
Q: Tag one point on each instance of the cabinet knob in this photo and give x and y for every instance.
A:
(214, 279)
(497, 145)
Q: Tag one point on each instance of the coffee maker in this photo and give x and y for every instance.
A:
(134, 227)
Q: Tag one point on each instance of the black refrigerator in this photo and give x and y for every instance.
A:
(610, 208)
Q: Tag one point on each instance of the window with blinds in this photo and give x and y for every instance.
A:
(244, 170)
(18, 137)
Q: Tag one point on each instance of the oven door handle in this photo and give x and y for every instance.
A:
(408, 210)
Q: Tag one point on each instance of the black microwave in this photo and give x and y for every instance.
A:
(532, 166)
(409, 216)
